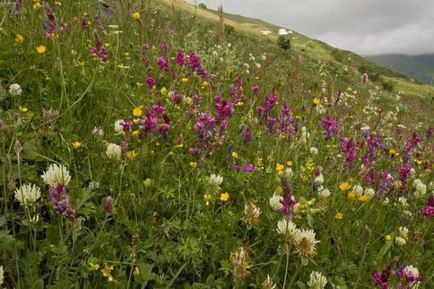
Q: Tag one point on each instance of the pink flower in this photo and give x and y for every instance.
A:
(108, 205)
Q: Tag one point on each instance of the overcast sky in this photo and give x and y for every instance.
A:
(366, 27)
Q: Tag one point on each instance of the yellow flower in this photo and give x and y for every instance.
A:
(204, 84)
(93, 266)
(388, 237)
(136, 271)
(41, 49)
(207, 198)
(339, 216)
(234, 154)
(37, 5)
(289, 163)
(135, 133)
(107, 270)
(163, 90)
(193, 164)
(184, 80)
(76, 144)
(131, 154)
(19, 38)
(344, 186)
(316, 101)
(22, 109)
(279, 169)
(363, 198)
(136, 15)
(57, 3)
(279, 190)
(351, 195)
(137, 111)
(224, 197)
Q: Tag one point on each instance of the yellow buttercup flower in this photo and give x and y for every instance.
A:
(136, 15)
(388, 237)
(76, 144)
(339, 216)
(19, 38)
(37, 5)
(106, 272)
(316, 101)
(351, 195)
(193, 164)
(93, 266)
(41, 49)
(363, 198)
(163, 90)
(137, 111)
(234, 154)
(224, 197)
(184, 80)
(205, 84)
(279, 169)
(132, 154)
(23, 109)
(135, 133)
(344, 186)
(289, 163)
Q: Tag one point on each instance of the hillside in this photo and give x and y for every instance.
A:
(150, 144)
(419, 67)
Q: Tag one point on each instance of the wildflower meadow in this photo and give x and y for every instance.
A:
(146, 146)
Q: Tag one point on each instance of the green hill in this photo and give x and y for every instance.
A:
(419, 67)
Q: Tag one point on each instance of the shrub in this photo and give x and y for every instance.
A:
(202, 6)
(284, 42)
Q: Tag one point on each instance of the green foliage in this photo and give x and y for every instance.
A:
(170, 226)
(202, 6)
(284, 42)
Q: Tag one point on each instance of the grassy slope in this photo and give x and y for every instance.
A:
(312, 48)
(160, 222)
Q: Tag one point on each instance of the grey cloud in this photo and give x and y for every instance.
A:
(364, 26)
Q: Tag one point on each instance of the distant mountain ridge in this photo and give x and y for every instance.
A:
(419, 67)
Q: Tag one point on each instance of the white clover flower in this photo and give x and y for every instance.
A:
(324, 194)
(15, 89)
(403, 202)
(56, 174)
(288, 172)
(27, 194)
(93, 185)
(305, 242)
(358, 189)
(314, 151)
(275, 202)
(317, 280)
(97, 132)
(420, 188)
(319, 180)
(215, 180)
(114, 151)
(369, 192)
(119, 129)
(287, 228)
(403, 232)
(304, 135)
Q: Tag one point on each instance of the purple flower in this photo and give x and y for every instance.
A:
(177, 97)
(428, 210)
(163, 63)
(404, 171)
(255, 88)
(268, 103)
(428, 132)
(249, 168)
(365, 79)
(180, 58)
(330, 125)
(223, 107)
(381, 279)
(349, 148)
(108, 205)
(61, 204)
(247, 135)
(288, 203)
(150, 81)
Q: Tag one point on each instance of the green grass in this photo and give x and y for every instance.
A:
(171, 225)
